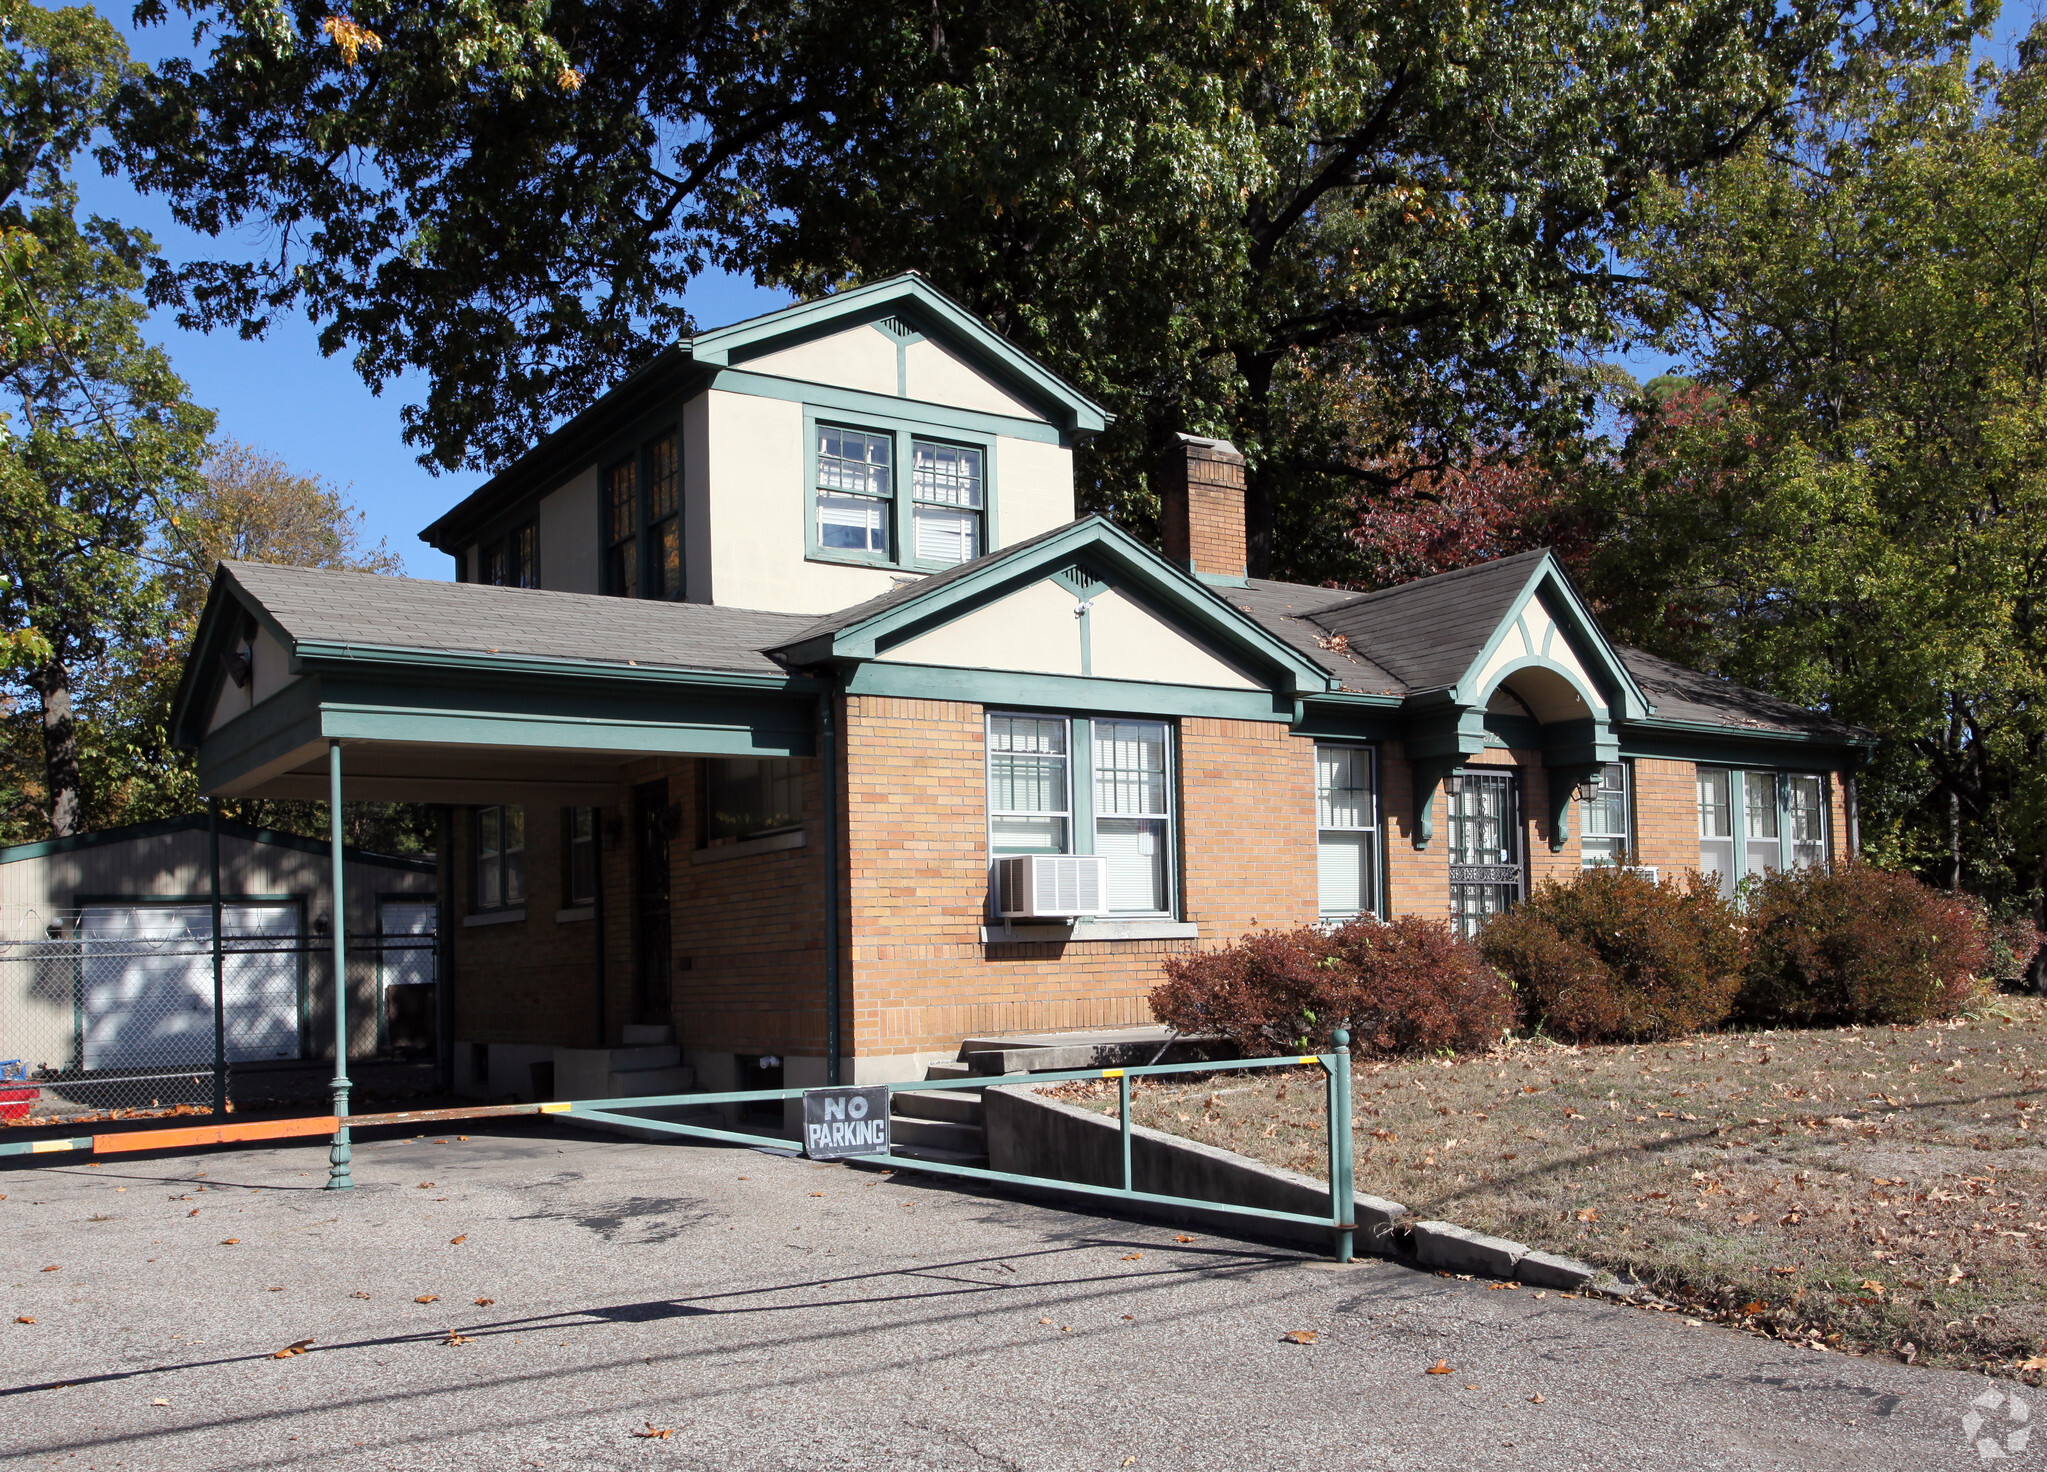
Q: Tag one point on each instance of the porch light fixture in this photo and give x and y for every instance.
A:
(1588, 789)
(322, 924)
(769, 1060)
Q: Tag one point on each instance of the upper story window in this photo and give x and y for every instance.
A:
(855, 489)
(642, 512)
(499, 878)
(1606, 835)
(1346, 832)
(491, 564)
(949, 491)
(1751, 822)
(522, 557)
(750, 797)
(1125, 814)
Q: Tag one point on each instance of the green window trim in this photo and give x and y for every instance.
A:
(1082, 818)
(902, 500)
(1734, 813)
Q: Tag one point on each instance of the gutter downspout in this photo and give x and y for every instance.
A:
(828, 775)
(1854, 807)
(598, 1019)
(444, 949)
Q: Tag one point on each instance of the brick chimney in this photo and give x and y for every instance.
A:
(1201, 505)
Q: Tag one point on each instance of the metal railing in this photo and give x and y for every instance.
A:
(121, 1009)
(1339, 1220)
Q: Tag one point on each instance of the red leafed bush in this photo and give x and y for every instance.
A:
(1407, 987)
(1614, 954)
(1860, 944)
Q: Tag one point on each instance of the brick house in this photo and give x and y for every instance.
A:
(779, 697)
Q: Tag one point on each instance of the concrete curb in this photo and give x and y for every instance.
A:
(1029, 1134)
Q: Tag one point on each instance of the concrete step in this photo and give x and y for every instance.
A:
(645, 1055)
(643, 1034)
(634, 1083)
(1050, 1052)
(957, 1106)
(937, 1134)
(946, 1157)
(947, 1070)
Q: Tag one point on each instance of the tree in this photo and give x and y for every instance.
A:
(1850, 506)
(1246, 219)
(98, 432)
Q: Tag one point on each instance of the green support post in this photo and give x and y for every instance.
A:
(340, 1176)
(1343, 1191)
(1123, 1117)
(219, 980)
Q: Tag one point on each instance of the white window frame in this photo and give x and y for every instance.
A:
(1629, 852)
(1738, 779)
(1373, 829)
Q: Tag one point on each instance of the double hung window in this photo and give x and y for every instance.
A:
(948, 489)
(642, 508)
(1751, 822)
(522, 557)
(1605, 836)
(1075, 786)
(579, 857)
(855, 490)
(1346, 831)
(748, 797)
(500, 873)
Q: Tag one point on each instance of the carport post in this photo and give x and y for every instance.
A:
(339, 1176)
(219, 1013)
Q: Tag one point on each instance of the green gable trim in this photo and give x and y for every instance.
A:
(1101, 550)
(1082, 694)
(190, 822)
(1565, 607)
(921, 306)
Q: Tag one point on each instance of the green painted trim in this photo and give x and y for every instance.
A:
(1110, 552)
(286, 722)
(1572, 612)
(902, 501)
(191, 822)
(936, 418)
(1796, 751)
(474, 728)
(1360, 724)
(888, 298)
(322, 657)
(1016, 691)
(1737, 793)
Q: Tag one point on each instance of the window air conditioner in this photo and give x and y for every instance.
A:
(1051, 886)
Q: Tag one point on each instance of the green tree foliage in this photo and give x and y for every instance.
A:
(1849, 505)
(97, 434)
(1356, 237)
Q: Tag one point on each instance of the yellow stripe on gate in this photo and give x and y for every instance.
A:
(1112, 1073)
(48, 1147)
(1308, 1058)
(560, 1108)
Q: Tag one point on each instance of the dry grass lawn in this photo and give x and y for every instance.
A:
(1866, 1188)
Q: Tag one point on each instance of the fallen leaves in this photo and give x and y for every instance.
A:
(1535, 1399)
(1440, 1367)
(458, 1241)
(230, 1241)
(655, 1433)
(428, 1298)
(2037, 1362)
(485, 1302)
(193, 1212)
(817, 1193)
(1182, 1237)
(1301, 1336)
(1132, 1256)
(424, 1186)
(55, 1267)
(297, 1346)
(161, 1400)
(24, 1318)
(1589, 1214)
(358, 1294)
(455, 1337)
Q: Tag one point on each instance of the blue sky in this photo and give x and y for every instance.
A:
(280, 395)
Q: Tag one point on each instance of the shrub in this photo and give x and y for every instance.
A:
(1410, 986)
(1860, 944)
(1614, 954)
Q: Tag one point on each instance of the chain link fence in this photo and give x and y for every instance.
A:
(115, 1007)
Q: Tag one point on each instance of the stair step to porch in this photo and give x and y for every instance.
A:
(944, 1157)
(937, 1134)
(956, 1106)
(635, 1083)
(947, 1070)
(1052, 1052)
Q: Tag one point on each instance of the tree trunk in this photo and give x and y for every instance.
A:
(52, 684)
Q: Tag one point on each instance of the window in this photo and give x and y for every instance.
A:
(664, 523)
(1805, 808)
(523, 554)
(579, 857)
(1752, 822)
(948, 491)
(1030, 806)
(622, 530)
(500, 859)
(491, 564)
(745, 797)
(1121, 808)
(1133, 808)
(855, 487)
(1606, 835)
(1346, 831)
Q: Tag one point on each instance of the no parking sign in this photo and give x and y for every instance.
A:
(842, 1122)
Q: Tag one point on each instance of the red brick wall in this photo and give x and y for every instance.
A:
(1667, 815)
(522, 981)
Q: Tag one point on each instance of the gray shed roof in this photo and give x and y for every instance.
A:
(316, 605)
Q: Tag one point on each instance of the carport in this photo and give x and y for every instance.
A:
(334, 686)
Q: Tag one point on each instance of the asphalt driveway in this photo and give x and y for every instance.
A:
(535, 1299)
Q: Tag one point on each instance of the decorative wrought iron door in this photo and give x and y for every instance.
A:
(1487, 868)
(652, 991)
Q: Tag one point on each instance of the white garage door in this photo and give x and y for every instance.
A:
(148, 983)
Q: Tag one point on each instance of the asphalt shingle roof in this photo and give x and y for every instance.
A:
(1427, 633)
(411, 613)
(1680, 694)
(1290, 611)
